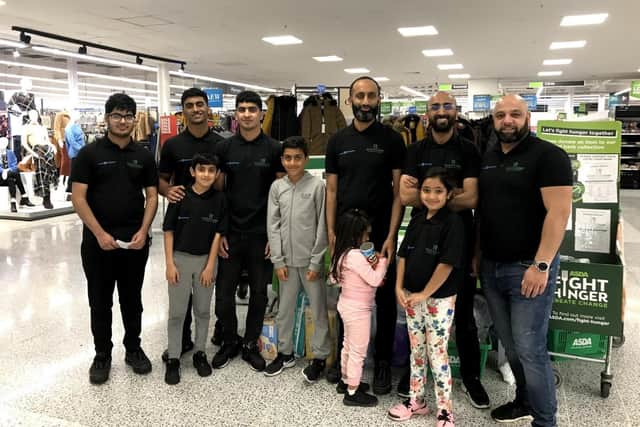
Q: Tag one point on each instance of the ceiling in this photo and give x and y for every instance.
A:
(493, 39)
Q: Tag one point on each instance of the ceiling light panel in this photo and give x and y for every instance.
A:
(459, 76)
(549, 73)
(10, 43)
(330, 58)
(576, 44)
(381, 79)
(450, 66)
(557, 61)
(428, 30)
(213, 79)
(34, 67)
(357, 70)
(413, 92)
(282, 40)
(116, 78)
(575, 20)
(437, 52)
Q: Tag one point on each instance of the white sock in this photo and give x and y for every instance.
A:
(351, 392)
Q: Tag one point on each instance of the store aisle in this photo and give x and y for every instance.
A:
(46, 350)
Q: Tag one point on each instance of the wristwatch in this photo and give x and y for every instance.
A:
(541, 266)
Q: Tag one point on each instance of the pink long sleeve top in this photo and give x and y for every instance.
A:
(359, 280)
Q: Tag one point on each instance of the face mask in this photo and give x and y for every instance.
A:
(365, 116)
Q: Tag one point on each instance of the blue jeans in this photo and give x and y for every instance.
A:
(522, 324)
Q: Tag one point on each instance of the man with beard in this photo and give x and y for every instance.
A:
(443, 147)
(109, 177)
(525, 201)
(363, 166)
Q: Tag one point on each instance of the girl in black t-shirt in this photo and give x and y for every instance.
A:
(429, 262)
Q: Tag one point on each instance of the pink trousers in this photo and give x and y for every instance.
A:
(357, 327)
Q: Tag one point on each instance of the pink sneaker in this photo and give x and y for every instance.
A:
(405, 410)
(445, 419)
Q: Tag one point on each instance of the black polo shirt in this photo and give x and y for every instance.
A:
(115, 179)
(364, 162)
(177, 152)
(429, 242)
(250, 168)
(511, 209)
(195, 220)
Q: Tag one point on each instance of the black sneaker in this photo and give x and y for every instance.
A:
(341, 387)
(314, 370)
(359, 398)
(99, 370)
(403, 385)
(138, 361)
(14, 208)
(382, 378)
(227, 352)
(251, 355)
(26, 202)
(172, 372)
(476, 394)
(185, 349)
(218, 334)
(279, 364)
(511, 412)
(201, 364)
(333, 374)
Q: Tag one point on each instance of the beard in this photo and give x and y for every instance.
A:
(365, 116)
(513, 137)
(440, 126)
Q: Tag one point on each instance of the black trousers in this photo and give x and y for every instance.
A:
(11, 182)
(246, 250)
(68, 189)
(386, 305)
(105, 269)
(467, 331)
(17, 147)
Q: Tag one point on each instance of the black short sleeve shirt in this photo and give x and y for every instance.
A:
(177, 152)
(429, 242)
(511, 209)
(116, 178)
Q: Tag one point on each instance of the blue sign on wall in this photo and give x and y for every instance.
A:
(532, 101)
(215, 97)
(412, 109)
(321, 89)
(481, 102)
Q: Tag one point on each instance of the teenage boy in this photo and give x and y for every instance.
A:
(298, 239)
(192, 231)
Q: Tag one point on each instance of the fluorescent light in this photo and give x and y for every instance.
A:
(10, 43)
(229, 82)
(330, 58)
(568, 45)
(179, 87)
(2, 2)
(622, 91)
(58, 52)
(428, 30)
(539, 91)
(459, 76)
(413, 92)
(450, 66)
(282, 40)
(437, 52)
(357, 70)
(593, 19)
(131, 89)
(19, 77)
(118, 79)
(381, 79)
(557, 61)
(549, 73)
(35, 67)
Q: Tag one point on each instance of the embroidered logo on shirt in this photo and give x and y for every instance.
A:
(425, 164)
(452, 165)
(134, 164)
(110, 162)
(184, 160)
(375, 149)
(433, 250)
(515, 167)
(209, 219)
(487, 167)
(183, 218)
(305, 195)
(346, 152)
(262, 163)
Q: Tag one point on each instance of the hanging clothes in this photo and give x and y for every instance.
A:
(284, 119)
(142, 130)
(413, 122)
(268, 117)
(319, 120)
(46, 172)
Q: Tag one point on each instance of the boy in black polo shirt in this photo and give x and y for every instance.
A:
(192, 232)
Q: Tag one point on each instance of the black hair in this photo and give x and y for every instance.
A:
(204, 159)
(349, 230)
(364, 78)
(191, 92)
(120, 101)
(442, 174)
(249, 96)
(296, 142)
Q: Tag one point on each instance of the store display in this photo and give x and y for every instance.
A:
(319, 120)
(42, 152)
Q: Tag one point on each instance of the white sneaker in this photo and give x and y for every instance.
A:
(507, 374)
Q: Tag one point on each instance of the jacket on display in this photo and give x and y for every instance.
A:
(283, 117)
(319, 120)
(413, 123)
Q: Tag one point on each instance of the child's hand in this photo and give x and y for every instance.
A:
(206, 277)
(415, 299)
(283, 274)
(313, 276)
(172, 274)
(401, 297)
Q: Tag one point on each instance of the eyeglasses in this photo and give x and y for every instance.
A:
(249, 109)
(447, 106)
(118, 117)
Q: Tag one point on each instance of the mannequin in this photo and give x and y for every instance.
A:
(59, 124)
(74, 138)
(10, 176)
(37, 144)
(20, 103)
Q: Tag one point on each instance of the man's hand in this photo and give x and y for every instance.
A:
(312, 276)
(475, 265)
(138, 240)
(206, 277)
(224, 248)
(401, 297)
(172, 274)
(283, 274)
(409, 181)
(267, 251)
(332, 241)
(415, 299)
(534, 282)
(388, 249)
(175, 193)
(107, 242)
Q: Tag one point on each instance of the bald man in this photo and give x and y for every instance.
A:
(443, 147)
(525, 201)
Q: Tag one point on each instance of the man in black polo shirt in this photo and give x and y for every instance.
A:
(175, 159)
(109, 177)
(525, 201)
(443, 147)
(363, 166)
(251, 162)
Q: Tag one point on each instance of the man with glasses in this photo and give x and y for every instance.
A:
(109, 178)
(443, 147)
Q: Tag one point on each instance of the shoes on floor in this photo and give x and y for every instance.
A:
(405, 410)
(314, 370)
(476, 393)
(138, 361)
(185, 349)
(172, 372)
(279, 364)
(201, 364)
(100, 368)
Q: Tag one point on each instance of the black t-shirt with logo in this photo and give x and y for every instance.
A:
(429, 242)
(511, 209)
(177, 152)
(195, 220)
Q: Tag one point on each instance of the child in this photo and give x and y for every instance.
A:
(298, 240)
(429, 274)
(192, 231)
(358, 279)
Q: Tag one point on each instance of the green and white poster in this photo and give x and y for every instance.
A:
(635, 89)
(385, 107)
(421, 107)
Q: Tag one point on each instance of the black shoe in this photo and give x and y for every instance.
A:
(201, 364)
(99, 370)
(185, 349)
(511, 412)
(138, 361)
(403, 385)
(243, 290)
(279, 364)
(14, 208)
(314, 370)
(359, 398)
(218, 335)
(251, 355)
(476, 393)
(341, 387)
(333, 374)
(26, 202)
(172, 372)
(46, 202)
(227, 352)
(382, 378)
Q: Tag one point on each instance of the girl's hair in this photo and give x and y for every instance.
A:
(442, 174)
(349, 230)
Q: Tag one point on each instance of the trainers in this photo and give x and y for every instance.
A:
(333, 374)
(511, 412)
(218, 334)
(279, 364)
(99, 370)
(185, 349)
(227, 352)
(382, 378)
(341, 387)
(445, 419)
(138, 361)
(359, 398)
(403, 385)
(26, 202)
(201, 364)
(476, 394)
(172, 372)
(314, 370)
(405, 410)
(251, 355)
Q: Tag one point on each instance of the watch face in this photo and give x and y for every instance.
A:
(543, 266)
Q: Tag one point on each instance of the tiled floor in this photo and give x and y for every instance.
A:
(46, 349)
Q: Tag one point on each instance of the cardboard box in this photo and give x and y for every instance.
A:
(268, 342)
(333, 335)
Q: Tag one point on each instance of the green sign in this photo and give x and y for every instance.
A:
(582, 108)
(445, 87)
(421, 107)
(635, 89)
(582, 137)
(535, 85)
(385, 107)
